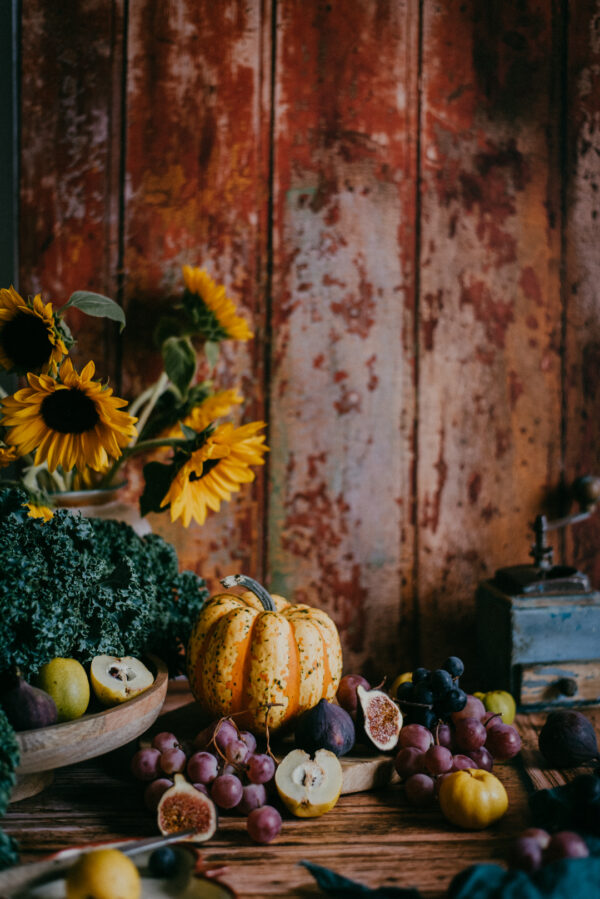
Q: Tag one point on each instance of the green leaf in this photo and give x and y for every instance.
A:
(157, 479)
(211, 349)
(188, 433)
(180, 362)
(97, 305)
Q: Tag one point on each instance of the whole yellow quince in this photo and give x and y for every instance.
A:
(501, 703)
(67, 683)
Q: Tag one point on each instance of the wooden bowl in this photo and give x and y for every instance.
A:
(47, 748)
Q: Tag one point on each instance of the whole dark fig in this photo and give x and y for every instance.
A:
(325, 726)
(26, 707)
(567, 739)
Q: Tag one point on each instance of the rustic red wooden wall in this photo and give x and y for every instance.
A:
(403, 198)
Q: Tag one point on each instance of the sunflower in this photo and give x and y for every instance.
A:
(215, 315)
(215, 471)
(211, 408)
(35, 510)
(71, 422)
(29, 337)
(8, 454)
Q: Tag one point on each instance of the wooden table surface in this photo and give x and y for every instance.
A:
(372, 837)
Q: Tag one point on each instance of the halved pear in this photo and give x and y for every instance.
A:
(309, 787)
(115, 680)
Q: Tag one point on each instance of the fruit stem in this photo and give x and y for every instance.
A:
(242, 580)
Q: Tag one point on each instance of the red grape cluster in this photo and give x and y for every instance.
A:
(535, 848)
(473, 738)
(222, 762)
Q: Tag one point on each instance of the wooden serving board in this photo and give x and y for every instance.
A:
(362, 770)
(540, 775)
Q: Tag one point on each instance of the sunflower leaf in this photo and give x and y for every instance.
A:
(96, 304)
(180, 362)
(157, 477)
(211, 349)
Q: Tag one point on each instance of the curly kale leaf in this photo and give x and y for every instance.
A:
(9, 761)
(78, 587)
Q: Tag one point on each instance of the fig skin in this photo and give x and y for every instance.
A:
(325, 726)
(26, 707)
(568, 739)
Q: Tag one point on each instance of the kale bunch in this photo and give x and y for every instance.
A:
(77, 588)
(9, 760)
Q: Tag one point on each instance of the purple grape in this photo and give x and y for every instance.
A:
(202, 788)
(438, 760)
(526, 854)
(537, 833)
(260, 769)
(172, 761)
(469, 734)
(419, 790)
(249, 739)
(460, 762)
(253, 796)
(264, 824)
(483, 758)
(165, 740)
(154, 791)
(474, 708)
(237, 752)
(145, 764)
(444, 736)
(415, 735)
(203, 739)
(225, 732)
(202, 768)
(503, 741)
(409, 761)
(565, 844)
(226, 790)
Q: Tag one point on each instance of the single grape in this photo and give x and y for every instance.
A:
(264, 824)
(237, 752)
(165, 740)
(172, 761)
(422, 694)
(473, 708)
(526, 854)
(249, 739)
(537, 833)
(346, 692)
(253, 796)
(202, 767)
(469, 733)
(225, 732)
(565, 844)
(423, 716)
(483, 758)
(260, 769)
(441, 682)
(454, 701)
(438, 760)
(145, 764)
(409, 761)
(415, 735)
(419, 790)
(444, 736)
(454, 666)
(202, 788)
(460, 762)
(503, 741)
(154, 791)
(163, 862)
(421, 676)
(226, 790)
(404, 692)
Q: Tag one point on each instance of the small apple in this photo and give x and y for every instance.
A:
(502, 703)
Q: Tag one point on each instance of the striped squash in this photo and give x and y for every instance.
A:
(259, 655)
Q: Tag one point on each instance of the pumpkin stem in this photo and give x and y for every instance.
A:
(242, 580)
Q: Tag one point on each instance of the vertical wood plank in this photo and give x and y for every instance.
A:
(70, 135)
(342, 389)
(197, 164)
(582, 266)
(490, 313)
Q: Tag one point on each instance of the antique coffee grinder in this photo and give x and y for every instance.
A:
(538, 625)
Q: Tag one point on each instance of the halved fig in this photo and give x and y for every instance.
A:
(309, 787)
(381, 718)
(183, 807)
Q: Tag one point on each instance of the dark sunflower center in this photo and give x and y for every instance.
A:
(206, 467)
(25, 340)
(69, 411)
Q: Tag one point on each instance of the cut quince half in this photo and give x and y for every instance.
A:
(115, 680)
(309, 787)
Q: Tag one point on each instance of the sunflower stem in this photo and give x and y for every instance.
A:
(156, 391)
(135, 450)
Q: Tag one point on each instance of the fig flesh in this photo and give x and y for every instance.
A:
(568, 739)
(380, 717)
(309, 787)
(325, 726)
(183, 807)
(26, 707)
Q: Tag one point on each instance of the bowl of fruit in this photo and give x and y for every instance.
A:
(72, 716)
